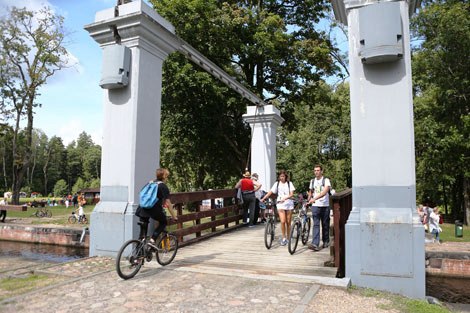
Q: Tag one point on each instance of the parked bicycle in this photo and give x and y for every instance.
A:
(133, 253)
(73, 218)
(270, 227)
(300, 227)
(42, 212)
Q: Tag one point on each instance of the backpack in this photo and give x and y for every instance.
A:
(148, 195)
(322, 183)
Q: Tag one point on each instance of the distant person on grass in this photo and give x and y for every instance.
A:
(3, 213)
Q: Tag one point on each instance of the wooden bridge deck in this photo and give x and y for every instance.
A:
(242, 253)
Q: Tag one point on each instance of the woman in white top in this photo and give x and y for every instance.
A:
(285, 192)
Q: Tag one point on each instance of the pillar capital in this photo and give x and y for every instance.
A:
(263, 114)
(137, 25)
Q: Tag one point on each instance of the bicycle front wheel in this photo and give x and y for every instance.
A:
(167, 248)
(306, 230)
(294, 237)
(72, 219)
(269, 233)
(130, 258)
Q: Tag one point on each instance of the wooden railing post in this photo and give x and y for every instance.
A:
(342, 206)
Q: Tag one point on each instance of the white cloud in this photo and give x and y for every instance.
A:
(73, 128)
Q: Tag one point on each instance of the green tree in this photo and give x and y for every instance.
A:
(320, 135)
(271, 46)
(60, 188)
(79, 185)
(31, 51)
(442, 92)
(53, 161)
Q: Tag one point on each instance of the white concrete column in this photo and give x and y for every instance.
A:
(131, 130)
(264, 121)
(384, 239)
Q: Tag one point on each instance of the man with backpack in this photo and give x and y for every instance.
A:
(156, 211)
(319, 196)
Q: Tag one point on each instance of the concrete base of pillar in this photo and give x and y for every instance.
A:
(386, 256)
(112, 224)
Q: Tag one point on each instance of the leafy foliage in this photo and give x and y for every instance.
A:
(31, 50)
(442, 92)
(271, 46)
(321, 135)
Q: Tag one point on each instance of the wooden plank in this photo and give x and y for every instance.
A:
(11, 207)
(242, 250)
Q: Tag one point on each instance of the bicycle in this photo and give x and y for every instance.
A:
(80, 219)
(300, 227)
(42, 212)
(270, 227)
(133, 253)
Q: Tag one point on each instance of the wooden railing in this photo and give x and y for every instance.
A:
(342, 206)
(205, 222)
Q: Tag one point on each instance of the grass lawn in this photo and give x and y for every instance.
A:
(60, 214)
(448, 233)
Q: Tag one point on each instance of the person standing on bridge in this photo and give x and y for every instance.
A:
(157, 212)
(319, 196)
(284, 204)
(248, 188)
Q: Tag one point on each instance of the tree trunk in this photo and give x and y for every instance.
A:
(466, 200)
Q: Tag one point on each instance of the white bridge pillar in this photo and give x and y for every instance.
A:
(131, 131)
(264, 121)
(384, 238)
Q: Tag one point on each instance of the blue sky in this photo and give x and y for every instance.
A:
(72, 99)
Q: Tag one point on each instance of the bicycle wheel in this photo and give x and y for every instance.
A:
(306, 230)
(269, 233)
(48, 213)
(294, 237)
(84, 220)
(130, 258)
(72, 219)
(167, 248)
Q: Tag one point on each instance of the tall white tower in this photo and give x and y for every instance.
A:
(384, 238)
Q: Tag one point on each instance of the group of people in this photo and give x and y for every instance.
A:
(252, 195)
(318, 197)
(431, 218)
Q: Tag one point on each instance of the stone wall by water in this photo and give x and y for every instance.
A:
(44, 235)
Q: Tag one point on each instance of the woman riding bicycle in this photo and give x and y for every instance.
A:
(156, 212)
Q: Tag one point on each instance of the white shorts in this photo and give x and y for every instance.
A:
(286, 205)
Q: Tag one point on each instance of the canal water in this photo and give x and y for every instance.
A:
(41, 252)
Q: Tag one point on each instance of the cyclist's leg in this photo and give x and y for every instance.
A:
(143, 228)
(161, 218)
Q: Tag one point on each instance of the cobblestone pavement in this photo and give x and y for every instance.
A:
(92, 284)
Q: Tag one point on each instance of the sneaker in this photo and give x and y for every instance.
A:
(251, 226)
(313, 247)
(326, 244)
(283, 242)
